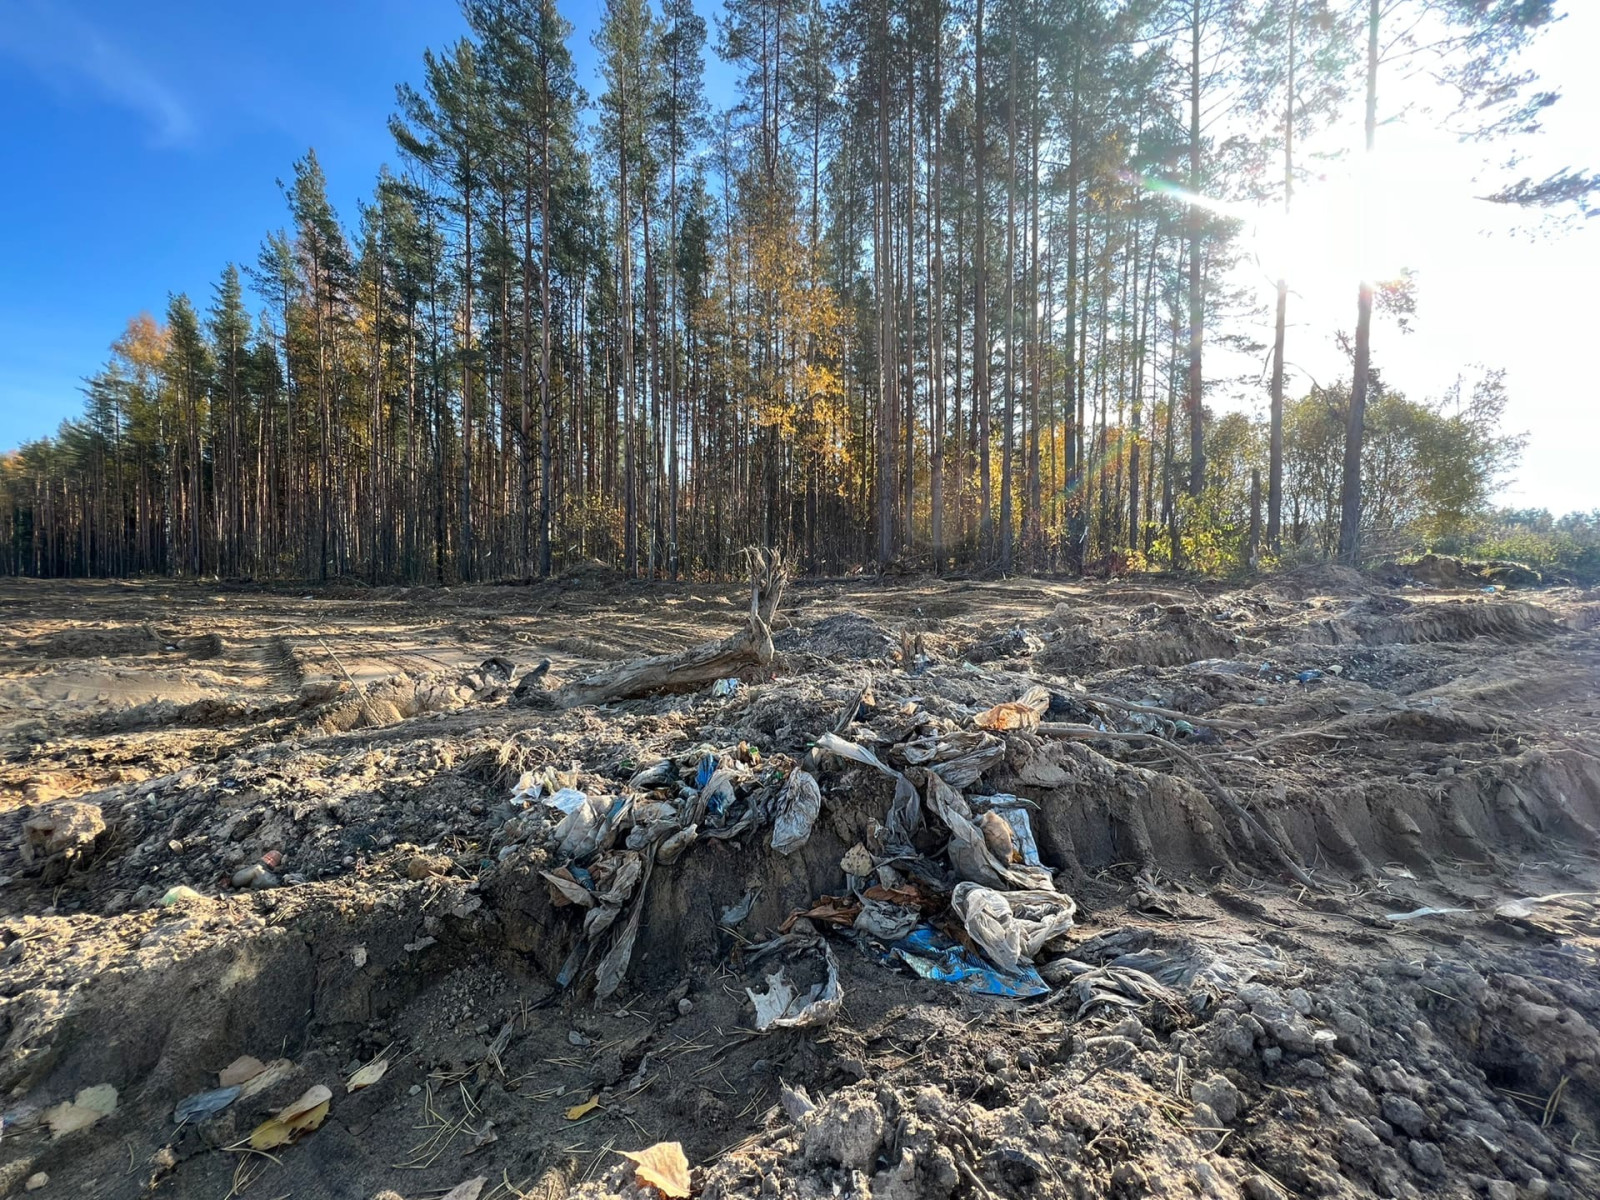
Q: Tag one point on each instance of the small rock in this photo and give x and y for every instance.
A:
(1218, 1092)
(1356, 1133)
(1239, 1040)
(847, 1129)
(1404, 1113)
(67, 827)
(1502, 1189)
(685, 1007)
(36, 1181)
(1259, 1187)
(424, 866)
(1426, 1157)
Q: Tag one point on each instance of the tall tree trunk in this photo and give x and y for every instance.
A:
(980, 305)
(888, 369)
(1197, 459)
(1008, 429)
(936, 297)
(1275, 437)
(1350, 485)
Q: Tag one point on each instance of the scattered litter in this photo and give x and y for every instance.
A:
(566, 801)
(180, 895)
(724, 688)
(857, 862)
(799, 808)
(781, 1006)
(735, 914)
(885, 920)
(1121, 987)
(204, 1104)
(1022, 715)
(1308, 676)
(1517, 910)
(1428, 911)
(367, 1076)
(933, 956)
(662, 1166)
(256, 876)
(1013, 811)
(988, 922)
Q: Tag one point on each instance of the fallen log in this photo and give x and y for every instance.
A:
(697, 666)
(1170, 714)
(1215, 786)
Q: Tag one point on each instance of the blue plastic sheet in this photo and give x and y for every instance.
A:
(204, 1104)
(933, 956)
(708, 767)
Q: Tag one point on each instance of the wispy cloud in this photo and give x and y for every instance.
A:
(68, 53)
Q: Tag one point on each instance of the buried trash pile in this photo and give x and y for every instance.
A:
(946, 881)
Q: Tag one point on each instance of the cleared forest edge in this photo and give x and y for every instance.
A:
(1435, 753)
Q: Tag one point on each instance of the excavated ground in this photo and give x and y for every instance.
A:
(1214, 1028)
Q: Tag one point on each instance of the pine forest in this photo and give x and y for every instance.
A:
(947, 285)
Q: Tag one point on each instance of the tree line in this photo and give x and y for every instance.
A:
(938, 287)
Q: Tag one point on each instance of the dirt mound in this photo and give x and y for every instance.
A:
(386, 872)
(1445, 571)
(1152, 635)
(842, 638)
(95, 642)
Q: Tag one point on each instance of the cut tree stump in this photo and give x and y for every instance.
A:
(694, 668)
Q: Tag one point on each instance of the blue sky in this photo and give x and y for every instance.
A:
(143, 143)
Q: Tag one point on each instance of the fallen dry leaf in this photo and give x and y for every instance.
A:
(240, 1071)
(467, 1189)
(68, 1117)
(1010, 715)
(82, 1111)
(366, 1076)
(302, 1116)
(274, 1073)
(663, 1166)
(584, 1109)
(309, 1099)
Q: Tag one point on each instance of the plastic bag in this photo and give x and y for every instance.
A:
(781, 1006)
(988, 921)
(798, 810)
(886, 921)
(588, 826)
(969, 854)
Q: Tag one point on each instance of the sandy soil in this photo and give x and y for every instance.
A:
(1213, 1027)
